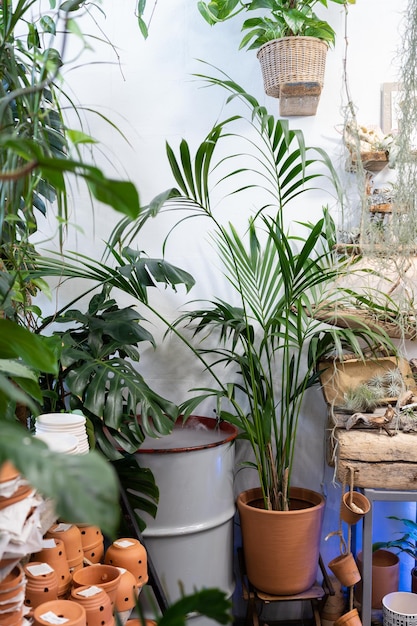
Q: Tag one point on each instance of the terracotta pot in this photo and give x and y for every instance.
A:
(20, 494)
(349, 619)
(96, 603)
(281, 548)
(13, 580)
(105, 576)
(90, 535)
(71, 536)
(93, 543)
(129, 554)
(12, 618)
(385, 576)
(8, 472)
(345, 569)
(72, 612)
(95, 553)
(53, 553)
(351, 512)
(127, 592)
(137, 622)
(41, 585)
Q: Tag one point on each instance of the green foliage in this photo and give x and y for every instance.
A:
(258, 362)
(406, 543)
(276, 19)
(212, 603)
(36, 144)
(97, 374)
(39, 155)
(83, 487)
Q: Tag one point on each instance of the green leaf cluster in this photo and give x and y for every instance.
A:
(407, 543)
(275, 19)
(262, 353)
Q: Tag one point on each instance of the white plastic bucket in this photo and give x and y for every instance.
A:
(399, 609)
(191, 539)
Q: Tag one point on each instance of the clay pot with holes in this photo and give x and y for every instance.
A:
(41, 584)
(73, 613)
(105, 576)
(131, 555)
(93, 543)
(53, 553)
(71, 536)
(96, 603)
(127, 592)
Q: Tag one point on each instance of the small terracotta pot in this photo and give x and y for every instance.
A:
(345, 569)
(349, 619)
(20, 494)
(53, 553)
(105, 576)
(12, 618)
(71, 536)
(90, 535)
(95, 553)
(351, 513)
(73, 612)
(41, 584)
(131, 555)
(12, 581)
(96, 603)
(385, 576)
(8, 472)
(93, 543)
(127, 592)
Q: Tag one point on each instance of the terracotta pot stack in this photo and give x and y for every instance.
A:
(12, 595)
(70, 534)
(92, 542)
(41, 584)
(97, 605)
(53, 552)
(60, 582)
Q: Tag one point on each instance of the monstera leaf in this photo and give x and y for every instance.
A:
(115, 391)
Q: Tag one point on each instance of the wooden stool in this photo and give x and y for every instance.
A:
(256, 599)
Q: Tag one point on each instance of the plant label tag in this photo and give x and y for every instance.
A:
(40, 569)
(124, 543)
(52, 618)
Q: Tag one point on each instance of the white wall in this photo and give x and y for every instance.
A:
(152, 97)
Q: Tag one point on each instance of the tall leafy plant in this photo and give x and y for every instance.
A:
(38, 156)
(268, 345)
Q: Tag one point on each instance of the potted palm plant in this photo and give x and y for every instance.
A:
(292, 43)
(265, 347)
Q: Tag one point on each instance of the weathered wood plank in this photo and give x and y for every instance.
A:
(373, 446)
(402, 476)
(378, 460)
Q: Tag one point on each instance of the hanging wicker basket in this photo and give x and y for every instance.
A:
(294, 67)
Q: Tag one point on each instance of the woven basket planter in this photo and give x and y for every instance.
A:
(296, 66)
